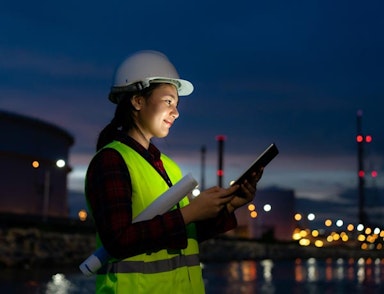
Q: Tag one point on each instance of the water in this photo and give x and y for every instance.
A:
(297, 276)
(307, 276)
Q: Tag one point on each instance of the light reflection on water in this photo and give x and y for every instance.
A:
(298, 276)
(264, 276)
(59, 284)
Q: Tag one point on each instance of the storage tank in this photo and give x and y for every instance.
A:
(34, 166)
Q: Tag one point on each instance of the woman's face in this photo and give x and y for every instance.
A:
(158, 112)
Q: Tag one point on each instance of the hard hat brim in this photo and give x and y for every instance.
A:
(184, 87)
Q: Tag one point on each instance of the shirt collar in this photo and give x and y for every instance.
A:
(151, 152)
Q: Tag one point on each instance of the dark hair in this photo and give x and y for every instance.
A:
(123, 119)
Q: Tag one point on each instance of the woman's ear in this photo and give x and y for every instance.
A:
(137, 102)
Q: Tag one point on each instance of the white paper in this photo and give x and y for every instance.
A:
(168, 199)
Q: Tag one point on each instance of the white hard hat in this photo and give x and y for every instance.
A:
(141, 69)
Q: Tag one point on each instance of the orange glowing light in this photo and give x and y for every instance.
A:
(298, 216)
(82, 215)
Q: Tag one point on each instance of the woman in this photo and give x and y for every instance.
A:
(128, 172)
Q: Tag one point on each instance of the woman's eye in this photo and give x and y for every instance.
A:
(169, 102)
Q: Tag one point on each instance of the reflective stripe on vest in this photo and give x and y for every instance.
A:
(152, 267)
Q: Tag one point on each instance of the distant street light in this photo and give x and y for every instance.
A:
(339, 223)
(47, 184)
(298, 216)
(311, 216)
(267, 207)
(83, 215)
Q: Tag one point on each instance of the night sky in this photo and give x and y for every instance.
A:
(290, 72)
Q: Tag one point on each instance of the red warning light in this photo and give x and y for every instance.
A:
(221, 138)
(220, 172)
(368, 139)
(359, 138)
(361, 173)
(374, 174)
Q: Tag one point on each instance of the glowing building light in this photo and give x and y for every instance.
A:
(82, 215)
(360, 227)
(60, 163)
(298, 216)
(336, 236)
(361, 238)
(311, 216)
(315, 233)
(350, 227)
(267, 207)
(339, 223)
(304, 242)
(303, 233)
(328, 223)
(296, 234)
(251, 207)
(319, 243)
(253, 214)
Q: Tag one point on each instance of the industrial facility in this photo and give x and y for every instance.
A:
(34, 167)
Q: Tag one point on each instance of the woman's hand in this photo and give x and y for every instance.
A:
(208, 204)
(246, 192)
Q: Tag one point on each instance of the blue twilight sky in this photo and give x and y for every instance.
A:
(290, 72)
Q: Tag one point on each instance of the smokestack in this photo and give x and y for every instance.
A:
(220, 170)
(360, 172)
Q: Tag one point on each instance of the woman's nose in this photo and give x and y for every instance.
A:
(175, 112)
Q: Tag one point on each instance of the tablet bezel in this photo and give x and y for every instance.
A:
(262, 161)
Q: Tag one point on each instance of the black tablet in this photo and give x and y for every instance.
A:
(262, 161)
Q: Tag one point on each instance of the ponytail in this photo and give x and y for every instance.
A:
(123, 120)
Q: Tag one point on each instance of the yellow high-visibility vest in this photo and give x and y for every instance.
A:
(164, 271)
